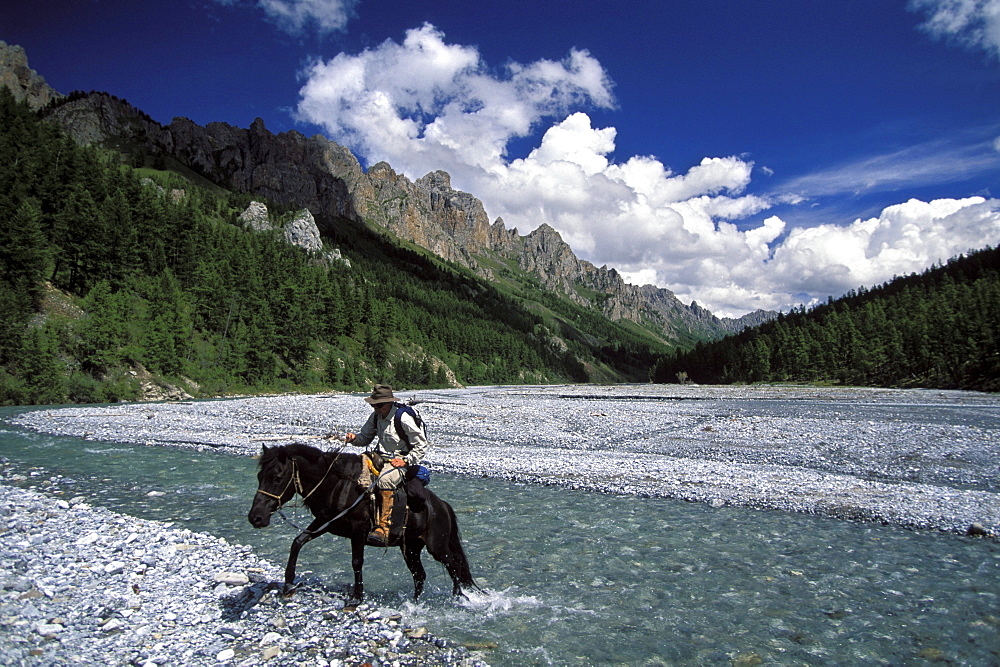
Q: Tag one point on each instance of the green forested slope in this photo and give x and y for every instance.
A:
(937, 329)
(104, 275)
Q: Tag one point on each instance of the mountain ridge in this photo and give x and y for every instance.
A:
(328, 179)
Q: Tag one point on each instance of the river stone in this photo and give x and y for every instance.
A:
(270, 638)
(48, 628)
(978, 529)
(232, 578)
(112, 625)
(88, 539)
(114, 567)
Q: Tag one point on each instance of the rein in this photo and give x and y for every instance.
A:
(357, 500)
(296, 478)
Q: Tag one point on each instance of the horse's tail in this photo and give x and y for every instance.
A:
(458, 563)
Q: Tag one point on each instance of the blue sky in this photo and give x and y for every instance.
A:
(742, 154)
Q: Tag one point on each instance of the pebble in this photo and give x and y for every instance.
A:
(231, 578)
(819, 450)
(68, 600)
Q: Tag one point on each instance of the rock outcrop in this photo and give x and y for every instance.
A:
(23, 82)
(153, 388)
(300, 231)
(256, 218)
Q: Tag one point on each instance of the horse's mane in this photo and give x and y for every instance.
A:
(308, 452)
(282, 452)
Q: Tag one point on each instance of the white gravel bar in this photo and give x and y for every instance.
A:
(917, 458)
(720, 445)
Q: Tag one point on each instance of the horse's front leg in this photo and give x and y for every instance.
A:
(300, 541)
(293, 557)
(357, 564)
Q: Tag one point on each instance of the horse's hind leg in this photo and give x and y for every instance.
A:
(456, 581)
(411, 554)
(456, 566)
(444, 543)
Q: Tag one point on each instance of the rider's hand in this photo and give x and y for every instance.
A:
(349, 437)
(397, 462)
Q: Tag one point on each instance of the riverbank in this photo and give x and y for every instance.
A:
(924, 459)
(915, 458)
(83, 585)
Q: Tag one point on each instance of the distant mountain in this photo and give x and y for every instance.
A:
(326, 178)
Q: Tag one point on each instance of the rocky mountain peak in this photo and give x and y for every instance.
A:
(435, 180)
(381, 170)
(328, 181)
(24, 82)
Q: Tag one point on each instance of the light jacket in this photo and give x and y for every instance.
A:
(389, 444)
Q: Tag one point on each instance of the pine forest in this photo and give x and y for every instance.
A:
(937, 329)
(109, 274)
(112, 275)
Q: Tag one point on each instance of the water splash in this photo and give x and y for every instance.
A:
(492, 603)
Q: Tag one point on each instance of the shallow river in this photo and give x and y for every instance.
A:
(572, 577)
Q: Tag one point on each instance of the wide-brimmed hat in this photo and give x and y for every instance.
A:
(381, 394)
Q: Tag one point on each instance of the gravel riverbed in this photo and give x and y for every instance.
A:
(84, 585)
(916, 458)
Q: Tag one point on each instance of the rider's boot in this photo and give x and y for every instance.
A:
(381, 532)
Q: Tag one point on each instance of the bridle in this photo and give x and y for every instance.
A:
(296, 479)
(283, 491)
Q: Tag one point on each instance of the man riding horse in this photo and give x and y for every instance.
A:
(397, 449)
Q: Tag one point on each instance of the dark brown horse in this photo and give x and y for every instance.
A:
(327, 482)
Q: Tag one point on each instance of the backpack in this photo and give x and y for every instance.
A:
(398, 423)
(417, 471)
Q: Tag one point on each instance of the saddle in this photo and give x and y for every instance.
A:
(408, 496)
(397, 520)
(415, 481)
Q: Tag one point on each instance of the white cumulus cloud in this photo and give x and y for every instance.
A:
(812, 263)
(424, 104)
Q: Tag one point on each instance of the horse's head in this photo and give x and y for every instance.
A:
(275, 476)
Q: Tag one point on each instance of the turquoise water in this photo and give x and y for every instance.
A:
(576, 578)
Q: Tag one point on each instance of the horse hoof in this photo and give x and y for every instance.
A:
(288, 591)
(351, 605)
